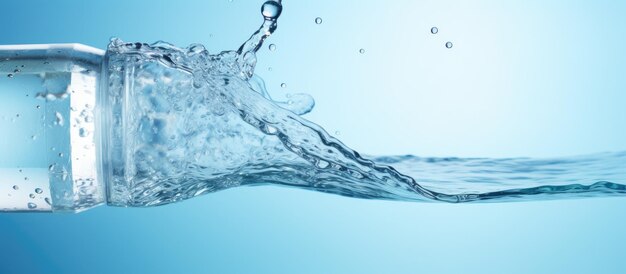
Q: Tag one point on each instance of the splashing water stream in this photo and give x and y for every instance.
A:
(202, 123)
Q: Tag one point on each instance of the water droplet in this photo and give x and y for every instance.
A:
(10, 75)
(269, 69)
(51, 167)
(38, 190)
(60, 154)
(32, 206)
(25, 178)
(20, 171)
(434, 30)
(17, 115)
(449, 45)
(15, 187)
(16, 71)
(46, 62)
(272, 47)
(337, 132)
(82, 132)
(271, 10)
(318, 20)
(32, 196)
(34, 137)
(283, 85)
(38, 106)
(361, 51)
(47, 200)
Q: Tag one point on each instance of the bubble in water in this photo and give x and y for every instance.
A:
(32, 196)
(15, 187)
(272, 47)
(283, 85)
(434, 30)
(318, 20)
(38, 190)
(361, 51)
(271, 10)
(32, 205)
(449, 45)
(59, 119)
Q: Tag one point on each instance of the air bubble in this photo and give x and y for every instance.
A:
(318, 20)
(271, 10)
(32, 205)
(59, 119)
(38, 190)
(449, 45)
(434, 30)
(272, 47)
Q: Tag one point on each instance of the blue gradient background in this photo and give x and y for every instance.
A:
(524, 78)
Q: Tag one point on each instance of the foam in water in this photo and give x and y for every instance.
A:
(196, 123)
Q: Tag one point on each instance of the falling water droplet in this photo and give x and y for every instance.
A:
(32, 196)
(361, 51)
(38, 106)
(32, 206)
(449, 45)
(283, 85)
(318, 20)
(434, 30)
(25, 178)
(10, 75)
(38, 190)
(272, 47)
(47, 200)
(15, 187)
(271, 10)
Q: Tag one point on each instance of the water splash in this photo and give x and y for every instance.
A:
(197, 123)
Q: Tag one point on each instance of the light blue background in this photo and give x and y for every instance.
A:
(524, 78)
